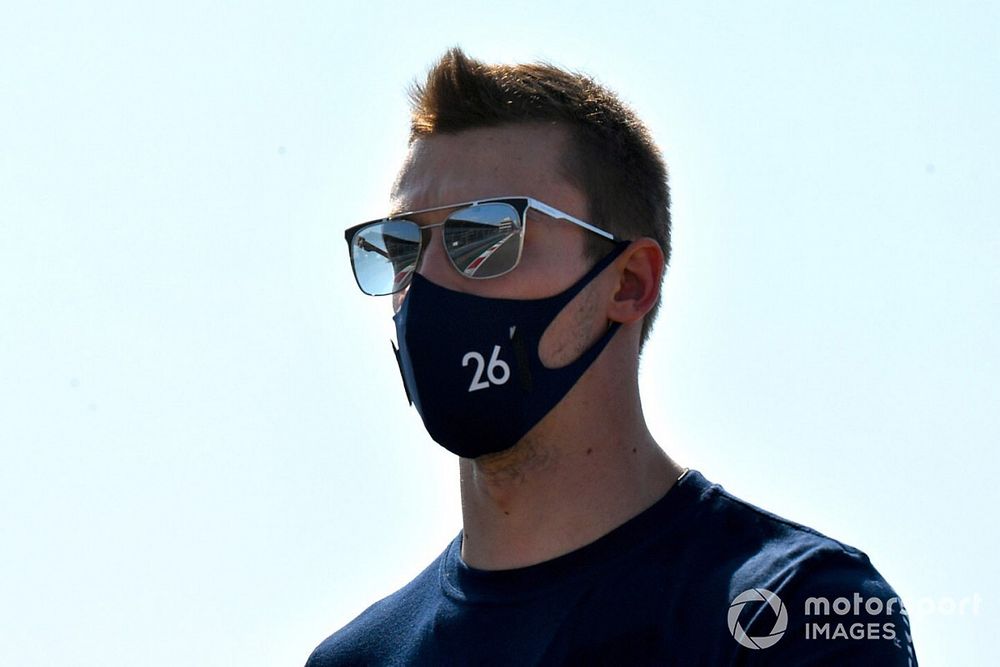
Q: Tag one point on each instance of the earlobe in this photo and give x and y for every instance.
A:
(640, 269)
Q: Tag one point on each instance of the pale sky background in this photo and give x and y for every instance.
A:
(206, 456)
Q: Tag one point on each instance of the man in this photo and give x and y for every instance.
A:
(525, 262)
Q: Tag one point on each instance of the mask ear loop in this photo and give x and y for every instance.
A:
(399, 362)
(599, 267)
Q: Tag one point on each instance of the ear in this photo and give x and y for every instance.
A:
(640, 270)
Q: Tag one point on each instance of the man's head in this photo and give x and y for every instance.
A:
(607, 154)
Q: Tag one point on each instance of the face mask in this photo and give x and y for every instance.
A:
(470, 364)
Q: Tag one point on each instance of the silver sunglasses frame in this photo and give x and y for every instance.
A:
(531, 203)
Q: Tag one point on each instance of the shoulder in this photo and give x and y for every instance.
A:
(786, 585)
(383, 626)
(752, 541)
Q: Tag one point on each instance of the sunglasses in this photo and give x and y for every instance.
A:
(483, 239)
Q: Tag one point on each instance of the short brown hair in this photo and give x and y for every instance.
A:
(611, 158)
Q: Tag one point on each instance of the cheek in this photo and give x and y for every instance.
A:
(397, 299)
(551, 266)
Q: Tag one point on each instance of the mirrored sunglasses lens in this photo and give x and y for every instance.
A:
(385, 255)
(485, 240)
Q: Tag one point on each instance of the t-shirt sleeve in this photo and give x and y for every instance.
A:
(832, 607)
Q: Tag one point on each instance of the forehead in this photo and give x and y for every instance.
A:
(443, 169)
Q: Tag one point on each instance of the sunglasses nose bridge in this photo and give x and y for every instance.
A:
(434, 263)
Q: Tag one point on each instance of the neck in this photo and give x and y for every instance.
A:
(575, 477)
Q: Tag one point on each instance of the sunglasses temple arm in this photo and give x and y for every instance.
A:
(559, 215)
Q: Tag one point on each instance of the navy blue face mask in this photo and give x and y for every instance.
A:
(470, 364)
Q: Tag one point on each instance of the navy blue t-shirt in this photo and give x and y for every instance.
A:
(699, 578)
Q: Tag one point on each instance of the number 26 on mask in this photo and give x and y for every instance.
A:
(497, 370)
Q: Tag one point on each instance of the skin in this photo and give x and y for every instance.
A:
(591, 464)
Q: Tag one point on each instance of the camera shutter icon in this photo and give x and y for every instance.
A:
(775, 604)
